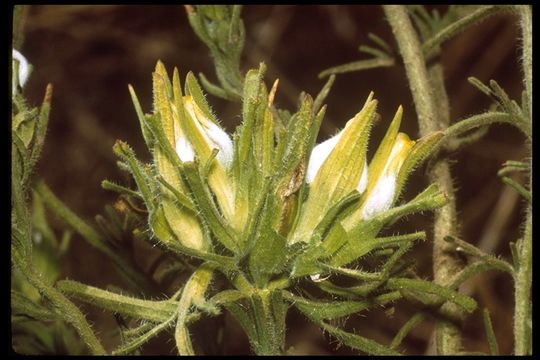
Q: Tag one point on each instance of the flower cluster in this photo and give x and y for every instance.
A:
(268, 194)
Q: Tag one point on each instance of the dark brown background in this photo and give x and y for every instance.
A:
(91, 53)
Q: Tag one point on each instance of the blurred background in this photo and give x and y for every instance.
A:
(90, 54)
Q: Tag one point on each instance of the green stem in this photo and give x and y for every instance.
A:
(522, 313)
(65, 308)
(407, 328)
(426, 95)
(476, 121)
(268, 328)
(525, 14)
(21, 255)
(156, 311)
(358, 65)
(430, 46)
(192, 295)
(411, 52)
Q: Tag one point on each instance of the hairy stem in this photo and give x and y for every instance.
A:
(430, 46)
(523, 278)
(62, 306)
(525, 14)
(428, 96)
(522, 313)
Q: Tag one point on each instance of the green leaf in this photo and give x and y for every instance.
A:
(358, 65)
(208, 210)
(362, 245)
(407, 328)
(490, 334)
(295, 148)
(214, 89)
(321, 96)
(151, 310)
(193, 89)
(147, 134)
(251, 100)
(145, 337)
(419, 153)
(422, 286)
(328, 310)
(162, 230)
(24, 307)
(358, 342)
(123, 150)
(243, 314)
(192, 294)
(268, 254)
(41, 126)
(334, 213)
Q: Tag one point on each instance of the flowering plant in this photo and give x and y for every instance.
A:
(267, 208)
(265, 220)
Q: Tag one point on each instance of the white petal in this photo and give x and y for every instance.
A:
(382, 196)
(317, 277)
(362, 185)
(222, 142)
(24, 68)
(184, 150)
(319, 155)
(215, 137)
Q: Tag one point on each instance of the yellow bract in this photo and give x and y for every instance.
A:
(339, 174)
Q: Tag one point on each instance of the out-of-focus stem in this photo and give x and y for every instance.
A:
(522, 312)
(431, 104)
(525, 15)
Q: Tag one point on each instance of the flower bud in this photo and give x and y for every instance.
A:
(380, 195)
(333, 171)
(212, 134)
(320, 153)
(200, 136)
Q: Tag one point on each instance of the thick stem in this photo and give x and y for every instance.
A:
(431, 104)
(522, 313)
(269, 329)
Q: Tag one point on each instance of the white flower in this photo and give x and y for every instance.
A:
(184, 150)
(320, 153)
(213, 135)
(24, 68)
(381, 196)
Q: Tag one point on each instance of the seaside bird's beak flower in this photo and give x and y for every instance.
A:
(378, 186)
(180, 219)
(337, 167)
(213, 135)
(382, 189)
(319, 155)
(383, 172)
(23, 72)
(200, 136)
